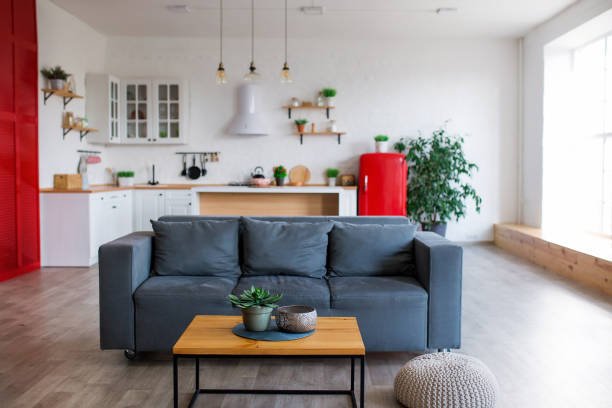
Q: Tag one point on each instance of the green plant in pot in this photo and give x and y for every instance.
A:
(382, 143)
(125, 178)
(329, 94)
(437, 190)
(256, 305)
(280, 173)
(332, 174)
(300, 123)
(56, 76)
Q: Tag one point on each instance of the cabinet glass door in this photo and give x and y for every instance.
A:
(168, 111)
(114, 110)
(136, 97)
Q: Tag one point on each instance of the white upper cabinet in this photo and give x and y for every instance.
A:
(102, 106)
(137, 111)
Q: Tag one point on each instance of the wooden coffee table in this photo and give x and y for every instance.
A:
(212, 337)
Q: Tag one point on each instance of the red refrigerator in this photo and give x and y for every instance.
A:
(382, 184)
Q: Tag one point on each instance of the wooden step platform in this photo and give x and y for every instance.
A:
(584, 258)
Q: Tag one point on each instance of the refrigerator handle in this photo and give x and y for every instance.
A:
(365, 183)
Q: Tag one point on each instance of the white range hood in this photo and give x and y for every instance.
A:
(248, 121)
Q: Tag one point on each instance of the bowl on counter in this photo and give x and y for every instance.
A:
(261, 182)
(296, 318)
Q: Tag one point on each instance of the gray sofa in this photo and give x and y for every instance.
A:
(148, 296)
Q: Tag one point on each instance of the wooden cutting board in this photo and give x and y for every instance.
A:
(299, 175)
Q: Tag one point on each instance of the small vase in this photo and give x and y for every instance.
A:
(256, 318)
(329, 102)
(57, 84)
(331, 181)
(280, 181)
(300, 128)
(382, 147)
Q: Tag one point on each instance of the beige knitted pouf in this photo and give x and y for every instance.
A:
(446, 380)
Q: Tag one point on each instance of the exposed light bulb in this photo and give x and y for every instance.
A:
(221, 78)
(252, 75)
(285, 75)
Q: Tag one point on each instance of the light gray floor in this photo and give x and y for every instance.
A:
(548, 341)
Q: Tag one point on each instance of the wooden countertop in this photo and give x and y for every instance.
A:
(107, 188)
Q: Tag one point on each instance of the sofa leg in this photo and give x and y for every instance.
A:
(442, 350)
(130, 354)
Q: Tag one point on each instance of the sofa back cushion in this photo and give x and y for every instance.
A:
(196, 248)
(284, 248)
(371, 250)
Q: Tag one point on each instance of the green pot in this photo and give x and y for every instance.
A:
(256, 318)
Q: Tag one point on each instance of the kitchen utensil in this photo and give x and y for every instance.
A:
(296, 318)
(203, 164)
(299, 175)
(153, 182)
(194, 171)
(93, 159)
(261, 182)
(184, 172)
(258, 172)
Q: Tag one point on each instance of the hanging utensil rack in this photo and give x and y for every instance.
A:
(209, 156)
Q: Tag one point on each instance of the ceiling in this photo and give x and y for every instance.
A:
(342, 18)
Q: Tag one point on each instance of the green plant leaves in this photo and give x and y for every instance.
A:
(255, 297)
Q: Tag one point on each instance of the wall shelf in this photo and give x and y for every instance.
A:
(338, 134)
(83, 131)
(314, 107)
(66, 96)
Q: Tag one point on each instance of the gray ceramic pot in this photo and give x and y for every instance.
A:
(256, 318)
(57, 84)
(296, 318)
(280, 181)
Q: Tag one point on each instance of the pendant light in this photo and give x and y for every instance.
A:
(221, 78)
(285, 76)
(252, 75)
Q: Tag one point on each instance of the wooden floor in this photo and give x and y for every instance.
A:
(548, 342)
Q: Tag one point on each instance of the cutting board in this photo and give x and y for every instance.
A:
(299, 175)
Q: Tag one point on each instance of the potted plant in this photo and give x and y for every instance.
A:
(329, 94)
(382, 143)
(300, 123)
(280, 173)
(437, 191)
(256, 305)
(125, 178)
(332, 173)
(56, 76)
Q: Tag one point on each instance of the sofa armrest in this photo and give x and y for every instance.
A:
(439, 266)
(123, 265)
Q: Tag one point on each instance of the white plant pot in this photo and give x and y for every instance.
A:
(331, 181)
(382, 147)
(330, 102)
(125, 181)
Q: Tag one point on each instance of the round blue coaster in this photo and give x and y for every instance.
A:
(272, 334)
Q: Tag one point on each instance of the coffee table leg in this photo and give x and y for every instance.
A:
(362, 391)
(197, 374)
(175, 379)
(352, 373)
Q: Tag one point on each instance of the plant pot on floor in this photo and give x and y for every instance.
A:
(437, 227)
(125, 181)
(57, 84)
(256, 318)
(382, 147)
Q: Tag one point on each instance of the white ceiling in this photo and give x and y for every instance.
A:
(342, 18)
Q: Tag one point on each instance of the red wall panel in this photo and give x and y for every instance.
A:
(19, 215)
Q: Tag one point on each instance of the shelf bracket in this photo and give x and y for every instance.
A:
(67, 100)
(82, 134)
(47, 96)
(327, 112)
(301, 138)
(65, 132)
(289, 112)
(339, 136)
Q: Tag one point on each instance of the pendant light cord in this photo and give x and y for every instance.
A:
(220, 30)
(285, 31)
(252, 31)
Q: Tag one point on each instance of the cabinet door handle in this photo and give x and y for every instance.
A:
(161, 194)
(114, 206)
(189, 203)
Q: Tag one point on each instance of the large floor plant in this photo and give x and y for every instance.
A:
(437, 191)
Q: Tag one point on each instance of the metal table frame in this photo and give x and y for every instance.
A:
(197, 391)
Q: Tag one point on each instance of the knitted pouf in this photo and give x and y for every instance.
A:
(445, 380)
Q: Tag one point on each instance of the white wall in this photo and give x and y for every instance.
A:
(397, 88)
(67, 41)
(533, 101)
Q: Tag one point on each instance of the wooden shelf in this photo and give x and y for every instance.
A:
(314, 107)
(67, 96)
(83, 131)
(338, 134)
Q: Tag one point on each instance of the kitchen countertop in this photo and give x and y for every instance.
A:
(311, 188)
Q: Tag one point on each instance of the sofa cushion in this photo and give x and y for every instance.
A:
(198, 248)
(371, 250)
(281, 248)
(296, 290)
(165, 305)
(391, 310)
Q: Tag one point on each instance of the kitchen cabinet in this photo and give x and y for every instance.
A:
(74, 225)
(102, 107)
(152, 204)
(170, 111)
(136, 108)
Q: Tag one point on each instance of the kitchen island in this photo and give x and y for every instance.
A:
(279, 201)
